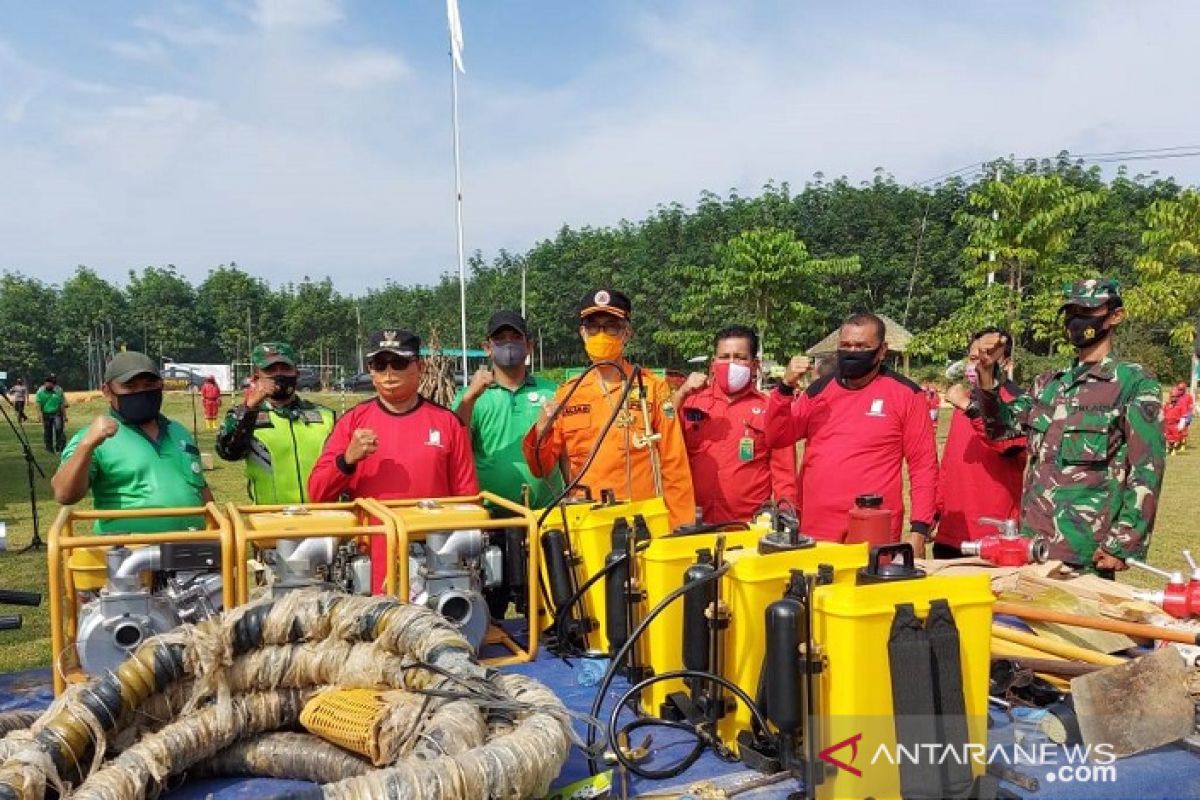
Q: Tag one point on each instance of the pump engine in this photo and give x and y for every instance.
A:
(320, 561)
(450, 570)
(183, 586)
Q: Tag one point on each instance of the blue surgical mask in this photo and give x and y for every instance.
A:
(509, 354)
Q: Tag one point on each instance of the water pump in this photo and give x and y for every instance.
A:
(450, 570)
(322, 562)
(184, 586)
(1008, 548)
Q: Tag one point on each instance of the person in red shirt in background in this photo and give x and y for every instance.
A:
(860, 425)
(1189, 403)
(210, 393)
(397, 445)
(981, 475)
(1176, 417)
(724, 426)
(935, 402)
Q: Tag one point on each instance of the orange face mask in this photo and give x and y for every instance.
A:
(604, 347)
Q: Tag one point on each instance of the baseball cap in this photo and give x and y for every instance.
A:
(402, 343)
(269, 353)
(1092, 293)
(606, 301)
(507, 319)
(127, 365)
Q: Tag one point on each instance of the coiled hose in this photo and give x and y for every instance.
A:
(185, 698)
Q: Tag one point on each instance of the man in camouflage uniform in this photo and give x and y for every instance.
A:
(1096, 448)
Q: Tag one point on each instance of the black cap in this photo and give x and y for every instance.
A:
(394, 340)
(127, 365)
(507, 319)
(606, 301)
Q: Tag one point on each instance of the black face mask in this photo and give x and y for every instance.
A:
(285, 387)
(855, 364)
(140, 407)
(1086, 331)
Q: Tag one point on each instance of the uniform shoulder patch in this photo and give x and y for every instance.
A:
(819, 385)
(668, 409)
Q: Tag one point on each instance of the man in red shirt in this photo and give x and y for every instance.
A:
(1185, 397)
(981, 475)
(860, 424)
(935, 402)
(395, 445)
(724, 426)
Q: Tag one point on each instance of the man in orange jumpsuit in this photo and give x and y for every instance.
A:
(628, 462)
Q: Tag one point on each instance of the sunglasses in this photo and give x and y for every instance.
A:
(611, 327)
(397, 363)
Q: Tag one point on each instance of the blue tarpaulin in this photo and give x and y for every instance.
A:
(1169, 773)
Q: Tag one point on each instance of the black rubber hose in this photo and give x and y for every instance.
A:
(577, 597)
(612, 418)
(702, 741)
(666, 773)
(636, 634)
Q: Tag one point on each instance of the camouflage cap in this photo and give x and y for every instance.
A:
(1092, 293)
(269, 353)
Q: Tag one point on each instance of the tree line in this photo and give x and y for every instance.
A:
(941, 259)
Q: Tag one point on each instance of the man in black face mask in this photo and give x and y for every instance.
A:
(860, 425)
(279, 434)
(1095, 438)
(130, 448)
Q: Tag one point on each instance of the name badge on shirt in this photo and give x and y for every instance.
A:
(746, 449)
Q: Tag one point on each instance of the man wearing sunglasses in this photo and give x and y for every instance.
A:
(626, 463)
(279, 434)
(397, 445)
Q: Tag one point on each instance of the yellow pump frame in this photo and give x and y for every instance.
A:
(364, 510)
(62, 540)
(408, 531)
(227, 526)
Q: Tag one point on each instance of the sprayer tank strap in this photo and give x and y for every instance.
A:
(927, 699)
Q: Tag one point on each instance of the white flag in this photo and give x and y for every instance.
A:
(456, 37)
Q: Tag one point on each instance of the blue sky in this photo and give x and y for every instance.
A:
(311, 137)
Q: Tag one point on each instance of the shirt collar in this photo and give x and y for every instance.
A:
(164, 425)
(751, 393)
(1104, 369)
(294, 409)
(527, 383)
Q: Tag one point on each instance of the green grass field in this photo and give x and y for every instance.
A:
(30, 646)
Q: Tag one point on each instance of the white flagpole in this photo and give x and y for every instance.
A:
(462, 264)
(455, 31)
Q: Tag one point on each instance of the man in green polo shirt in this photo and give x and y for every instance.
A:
(52, 404)
(279, 434)
(499, 408)
(133, 457)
